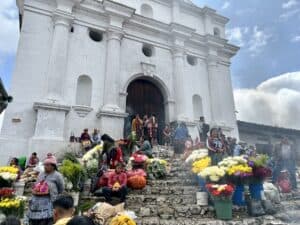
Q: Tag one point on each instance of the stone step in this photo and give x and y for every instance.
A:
(267, 220)
(175, 181)
(161, 189)
(160, 199)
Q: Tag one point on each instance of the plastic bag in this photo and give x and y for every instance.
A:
(255, 208)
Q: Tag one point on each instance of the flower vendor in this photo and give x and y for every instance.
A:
(33, 160)
(63, 210)
(14, 162)
(49, 185)
(285, 157)
(111, 154)
(81, 220)
(215, 146)
(117, 182)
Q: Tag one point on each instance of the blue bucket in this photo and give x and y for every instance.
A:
(238, 197)
(256, 190)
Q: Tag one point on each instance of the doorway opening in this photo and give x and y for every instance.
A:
(145, 98)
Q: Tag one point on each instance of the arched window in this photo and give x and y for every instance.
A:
(84, 90)
(217, 32)
(146, 11)
(197, 107)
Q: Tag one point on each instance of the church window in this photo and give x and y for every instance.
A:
(197, 107)
(84, 90)
(72, 29)
(146, 11)
(148, 50)
(217, 32)
(95, 35)
(192, 60)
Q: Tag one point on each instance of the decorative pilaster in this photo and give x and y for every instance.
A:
(179, 80)
(58, 55)
(113, 60)
(215, 89)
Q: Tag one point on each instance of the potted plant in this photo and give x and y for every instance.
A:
(221, 195)
(75, 176)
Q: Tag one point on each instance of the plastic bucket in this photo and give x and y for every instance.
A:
(75, 196)
(202, 198)
(19, 188)
(201, 182)
(256, 190)
(87, 187)
(223, 209)
(238, 197)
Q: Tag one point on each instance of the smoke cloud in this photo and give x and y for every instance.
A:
(274, 102)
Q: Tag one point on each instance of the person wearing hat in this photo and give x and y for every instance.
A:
(49, 185)
(117, 182)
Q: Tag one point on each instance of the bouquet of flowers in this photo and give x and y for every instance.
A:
(201, 164)
(213, 174)
(6, 192)
(220, 190)
(259, 167)
(12, 206)
(157, 168)
(74, 173)
(195, 155)
(93, 153)
(8, 174)
(122, 219)
(237, 168)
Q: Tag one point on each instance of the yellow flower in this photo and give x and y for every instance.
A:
(122, 220)
(201, 164)
(9, 169)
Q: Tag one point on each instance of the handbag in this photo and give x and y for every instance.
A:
(41, 187)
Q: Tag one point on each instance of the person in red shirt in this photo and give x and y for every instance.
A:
(117, 184)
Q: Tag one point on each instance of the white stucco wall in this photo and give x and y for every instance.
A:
(37, 129)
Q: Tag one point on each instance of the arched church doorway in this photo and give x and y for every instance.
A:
(145, 98)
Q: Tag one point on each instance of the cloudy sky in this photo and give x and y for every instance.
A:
(265, 73)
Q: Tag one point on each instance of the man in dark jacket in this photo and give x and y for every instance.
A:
(203, 129)
(285, 159)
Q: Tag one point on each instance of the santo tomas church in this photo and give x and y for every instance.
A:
(93, 63)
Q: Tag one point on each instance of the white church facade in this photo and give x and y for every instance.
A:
(92, 63)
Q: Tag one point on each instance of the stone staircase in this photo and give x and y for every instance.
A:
(172, 201)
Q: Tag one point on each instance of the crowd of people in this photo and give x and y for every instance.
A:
(51, 206)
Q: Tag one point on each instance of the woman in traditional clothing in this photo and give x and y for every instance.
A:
(49, 185)
(152, 130)
(137, 126)
(215, 146)
(181, 135)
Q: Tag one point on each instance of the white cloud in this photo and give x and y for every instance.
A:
(296, 39)
(9, 24)
(226, 5)
(258, 40)
(289, 4)
(288, 14)
(236, 35)
(274, 102)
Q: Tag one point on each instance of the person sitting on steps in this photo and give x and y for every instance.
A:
(117, 184)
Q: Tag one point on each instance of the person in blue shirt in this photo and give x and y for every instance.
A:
(181, 135)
